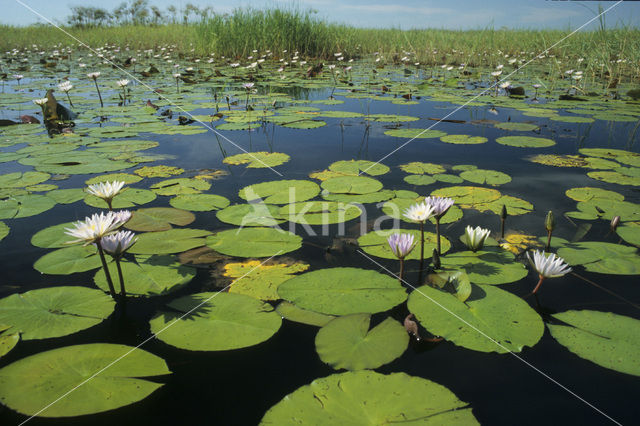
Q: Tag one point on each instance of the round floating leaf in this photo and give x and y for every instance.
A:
(127, 178)
(351, 185)
(170, 241)
(254, 242)
(559, 160)
(372, 197)
(67, 196)
(159, 219)
(518, 127)
(346, 342)
(252, 214)
(304, 124)
(319, 212)
(261, 280)
(589, 193)
(158, 171)
(415, 133)
(4, 230)
(148, 276)
(53, 236)
(367, 397)
(199, 202)
(8, 341)
(180, 186)
(419, 179)
(355, 167)
(375, 243)
(25, 205)
(489, 313)
(20, 180)
(419, 168)
(447, 178)
(258, 160)
(609, 340)
(604, 258)
(468, 196)
(343, 291)
(464, 139)
(69, 260)
(525, 141)
(515, 206)
(615, 177)
(220, 322)
(280, 191)
(54, 311)
(486, 177)
(293, 313)
(486, 267)
(130, 197)
(32, 383)
(630, 232)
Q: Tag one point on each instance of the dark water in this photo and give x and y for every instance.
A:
(237, 387)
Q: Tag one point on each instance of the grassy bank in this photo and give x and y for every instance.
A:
(237, 35)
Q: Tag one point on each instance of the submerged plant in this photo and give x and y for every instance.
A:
(401, 245)
(106, 190)
(116, 245)
(474, 238)
(550, 266)
(441, 206)
(94, 76)
(420, 213)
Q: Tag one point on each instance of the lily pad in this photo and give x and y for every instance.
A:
(343, 291)
(67, 196)
(69, 260)
(490, 320)
(319, 212)
(419, 168)
(293, 313)
(375, 243)
(600, 257)
(158, 219)
(486, 267)
(415, 133)
(180, 186)
(254, 242)
(630, 232)
(158, 171)
(486, 177)
(127, 178)
(609, 340)
(525, 141)
(258, 160)
(219, 322)
(468, 196)
(280, 191)
(351, 185)
(4, 230)
(30, 384)
(419, 180)
(370, 398)
(130, 197)
(25, 206)
(199, 202)
(170, 241)
(261, 280)
(464, 139)
(346, 342)
(356, 167)
(519, 127)
(589, 193)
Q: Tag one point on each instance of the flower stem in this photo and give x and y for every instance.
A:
(438, 235)
(401, 271)
(112, 290)
(69, 98)
(535, 290)
(123, 292)
(548, 241)
(99, 95)
(421, 246)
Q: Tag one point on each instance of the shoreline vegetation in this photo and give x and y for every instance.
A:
(243, 32)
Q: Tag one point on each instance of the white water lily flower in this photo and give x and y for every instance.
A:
(40, 102)
(505, 84)
(496, 73)
(95, 227)
(474, 237)
(106, 190)
(65, 86)
(550, 266)
(18, 76)
(177, 75)
(116, 244)
(419, 212)
(93, 75)
(123, 82)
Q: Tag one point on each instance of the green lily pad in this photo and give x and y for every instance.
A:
(170, 241)
(180, 186)
(515, 206)
(489, 313)
(343, 291)
(371, 197)
(148, 276)
(609, 340)
(468, 196)
(254, 242)
(447, 178)
(67, 196)
(219, 322)
(375, 243)
(351, 185)
(25, 206)
(614, 177)
(21, 180)
(4, 230)
(304, 124)
(75, 163)
(53, 236)
(525, 141)
(418, 168)
(355, 167)
(280, 191)
(261, 280)
(370, 398)
(158, 171)
(486, 267)
(31, 384)
(589, 193)
(603, 258)
(69, 260)
(8, 341)
(54, 311)
(252, 214)
(464, 139)
(199, 202)
(127, 178)
(419, 180)
(486, 177)
(303, 316)
(346, 342)
(518, 127)
(258, 160)
(319, 212)
(158, 219)
(630, 232)
(415, 133)
(130, 197)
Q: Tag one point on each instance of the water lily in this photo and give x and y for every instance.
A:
(441, 206)
(41, 102)
(94, 76)
(177, 76)
(106, 190)
(116, 245)
(550, 266)
(474, 237)
(65, 87)
(401, 245)
(123, 82)
(549, 224)
(18, 77)
(420, 212)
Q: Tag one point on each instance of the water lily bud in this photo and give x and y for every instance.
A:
(436, 259)
(503, 215)
(614, 223)
(550, 222)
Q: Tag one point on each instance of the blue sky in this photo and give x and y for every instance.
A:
(451, 14)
